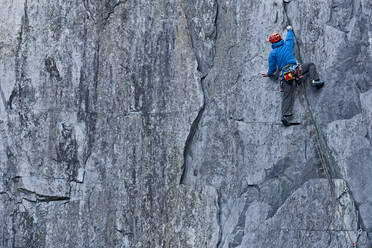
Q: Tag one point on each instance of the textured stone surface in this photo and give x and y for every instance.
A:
(146, 124)
(293, 227)
(99, 97)
(241, 149)
(195, 219)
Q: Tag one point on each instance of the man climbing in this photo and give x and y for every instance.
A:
(282, 58)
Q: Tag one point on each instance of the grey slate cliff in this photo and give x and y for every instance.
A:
(145, 123)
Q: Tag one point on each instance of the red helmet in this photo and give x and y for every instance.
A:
(274, 38)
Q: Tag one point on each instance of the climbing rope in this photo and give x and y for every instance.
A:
(320, 154)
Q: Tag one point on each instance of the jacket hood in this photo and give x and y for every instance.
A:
(278, 44)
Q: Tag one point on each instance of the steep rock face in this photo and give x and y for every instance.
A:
(241, 149)
(98, 98)
(106, 106)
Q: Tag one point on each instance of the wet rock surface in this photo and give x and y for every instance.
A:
(146, 124)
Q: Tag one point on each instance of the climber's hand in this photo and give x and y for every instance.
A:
(289, 27)
(264, 73)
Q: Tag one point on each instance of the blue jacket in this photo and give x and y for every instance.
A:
(282, 54)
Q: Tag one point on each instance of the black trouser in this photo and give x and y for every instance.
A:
(309, 70)
(288, 87)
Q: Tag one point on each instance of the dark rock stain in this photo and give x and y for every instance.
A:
(67, 151)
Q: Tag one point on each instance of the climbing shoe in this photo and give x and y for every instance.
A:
(318, 84)
(286, 122)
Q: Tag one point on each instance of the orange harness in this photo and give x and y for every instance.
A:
(291, 72)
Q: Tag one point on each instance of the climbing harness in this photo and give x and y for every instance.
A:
(291, 72)
(288, 73)
(319, 152)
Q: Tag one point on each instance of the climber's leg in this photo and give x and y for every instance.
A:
(309, 70)
(287, 98)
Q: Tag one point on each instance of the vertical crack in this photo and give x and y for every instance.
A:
(219, 218)
(205, 65)
(192, 132)
(195, 123)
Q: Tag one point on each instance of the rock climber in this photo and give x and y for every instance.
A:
(282, 58)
